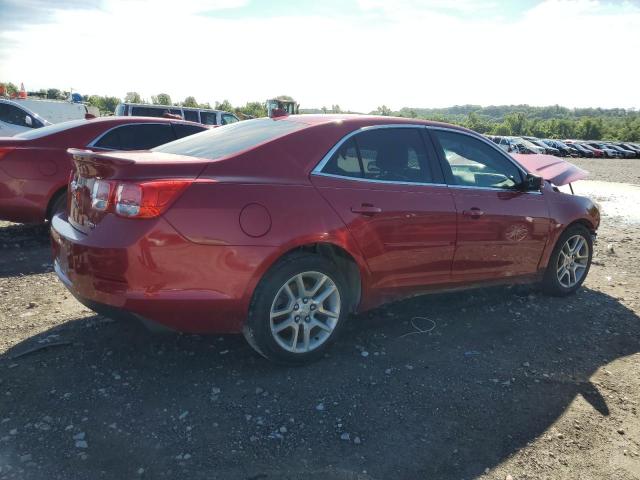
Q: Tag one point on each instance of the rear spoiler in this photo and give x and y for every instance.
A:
(97, 158)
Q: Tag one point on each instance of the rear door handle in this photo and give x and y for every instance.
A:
(473, 213)
(366, 209)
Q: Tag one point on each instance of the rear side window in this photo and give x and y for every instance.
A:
(137, 137)
(208, 118)
(231, 139)
(182, 130)
(387, 154)
(191, 115)
(154, 111)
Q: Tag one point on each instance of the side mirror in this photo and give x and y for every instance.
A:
(531, 183)
(27, 121)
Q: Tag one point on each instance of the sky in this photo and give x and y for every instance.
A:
(358, 54)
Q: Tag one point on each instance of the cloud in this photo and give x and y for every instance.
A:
(575, 53)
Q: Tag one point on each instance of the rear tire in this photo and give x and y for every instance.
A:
(57, 205)
(298, 309)
(569, 263)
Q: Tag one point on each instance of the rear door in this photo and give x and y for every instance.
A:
(502, 231)
(382, 183)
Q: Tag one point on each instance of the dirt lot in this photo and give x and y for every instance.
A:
(509, 384)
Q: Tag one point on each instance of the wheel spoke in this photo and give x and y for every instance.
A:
(306, 334)
(580, 266)
(317, 286)
(320, 325)
(279, 313)
(283, 325)
(328, 313)
(302, 291)
(294, 337)
(326, 293)
(287, 290)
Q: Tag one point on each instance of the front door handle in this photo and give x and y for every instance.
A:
(366, 209)
(473, 213)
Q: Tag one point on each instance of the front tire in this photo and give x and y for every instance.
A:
(298, 309)
(569, 263)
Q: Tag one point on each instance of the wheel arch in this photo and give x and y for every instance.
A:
(353, 267)
(62, 191)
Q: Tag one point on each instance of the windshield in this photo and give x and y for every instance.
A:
(50, 129)
(230, 139)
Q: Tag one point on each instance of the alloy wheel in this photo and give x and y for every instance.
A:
(573, 261)
(305, 311)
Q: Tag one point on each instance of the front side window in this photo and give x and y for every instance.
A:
(16, 116)
(208, 118)
(474, 163)
(228, 118)
(383, 154)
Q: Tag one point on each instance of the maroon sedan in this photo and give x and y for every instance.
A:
(35, 166)
(279, 228)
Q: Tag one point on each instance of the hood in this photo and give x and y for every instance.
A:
(554, 169)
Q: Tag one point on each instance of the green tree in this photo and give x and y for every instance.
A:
(590, 128)
(517, 123)
(53, 94)
(133, 97)
(335, 109)
(225, 106)
(476, 123)
(501, 129)
(190, 102)
(383, 110)
(161, 99)
(253, 109)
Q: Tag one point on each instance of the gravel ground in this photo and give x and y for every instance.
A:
(611, 169)
(508, 384)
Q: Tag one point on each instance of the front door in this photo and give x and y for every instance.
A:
(502, 230)
(402, 216)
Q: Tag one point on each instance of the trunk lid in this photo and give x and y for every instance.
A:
(554, 169)
(119, 166)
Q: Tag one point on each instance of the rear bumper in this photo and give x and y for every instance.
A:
(148, 270)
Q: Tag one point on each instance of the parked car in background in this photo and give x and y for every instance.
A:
(516, 145)
(198, 115)
(548, 149)
(580, 150)
(625, 152)
(201, 235)
(563, 149)
(56, 111)
(597, 152)
(606, 150)
(34, 165)
(632, 147)
(16, 118)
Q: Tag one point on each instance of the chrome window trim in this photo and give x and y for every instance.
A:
(386, 182)
(317, 170)
(99, 137)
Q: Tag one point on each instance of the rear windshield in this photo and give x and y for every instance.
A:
(230, 139)
(49, 129)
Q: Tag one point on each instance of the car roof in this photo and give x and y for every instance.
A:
(359, 121)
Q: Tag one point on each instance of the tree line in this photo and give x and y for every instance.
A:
(545, 122)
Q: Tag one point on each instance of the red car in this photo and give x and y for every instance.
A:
(35, 166)
(279, 228)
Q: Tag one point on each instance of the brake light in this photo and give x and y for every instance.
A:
(147, 199)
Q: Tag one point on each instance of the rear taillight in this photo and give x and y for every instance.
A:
(101, 195)
(136, 200)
